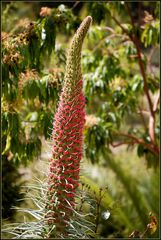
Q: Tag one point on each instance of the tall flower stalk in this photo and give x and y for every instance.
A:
(67, 137)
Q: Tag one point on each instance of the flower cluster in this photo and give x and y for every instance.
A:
(117, 84)
(91, 120)
(10, 55)
(67, 138)
(55, 76)
(45, 11)
(11, 44)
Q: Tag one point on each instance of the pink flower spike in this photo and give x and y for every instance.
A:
(67, 137)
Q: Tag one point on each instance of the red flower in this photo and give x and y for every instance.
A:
(68, 136)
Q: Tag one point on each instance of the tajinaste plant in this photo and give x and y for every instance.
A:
(67, 137)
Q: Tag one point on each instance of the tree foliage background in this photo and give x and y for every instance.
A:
(120, 63)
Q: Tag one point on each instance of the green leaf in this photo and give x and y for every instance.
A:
(8, 145)
(140, 150)
(31, 90)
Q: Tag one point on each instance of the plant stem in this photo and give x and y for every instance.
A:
(98, 202)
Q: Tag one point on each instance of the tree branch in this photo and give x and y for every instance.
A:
(153, 148)
(121, 143)
(119, 24)
(142, 70)
(156, 102)
(75, 4)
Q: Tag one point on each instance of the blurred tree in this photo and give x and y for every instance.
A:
(123, 90)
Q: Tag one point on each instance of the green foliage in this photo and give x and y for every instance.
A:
(117, 89)
(150, 35)
(97, 11)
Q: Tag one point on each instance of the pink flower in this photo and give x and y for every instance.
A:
(68, 136)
